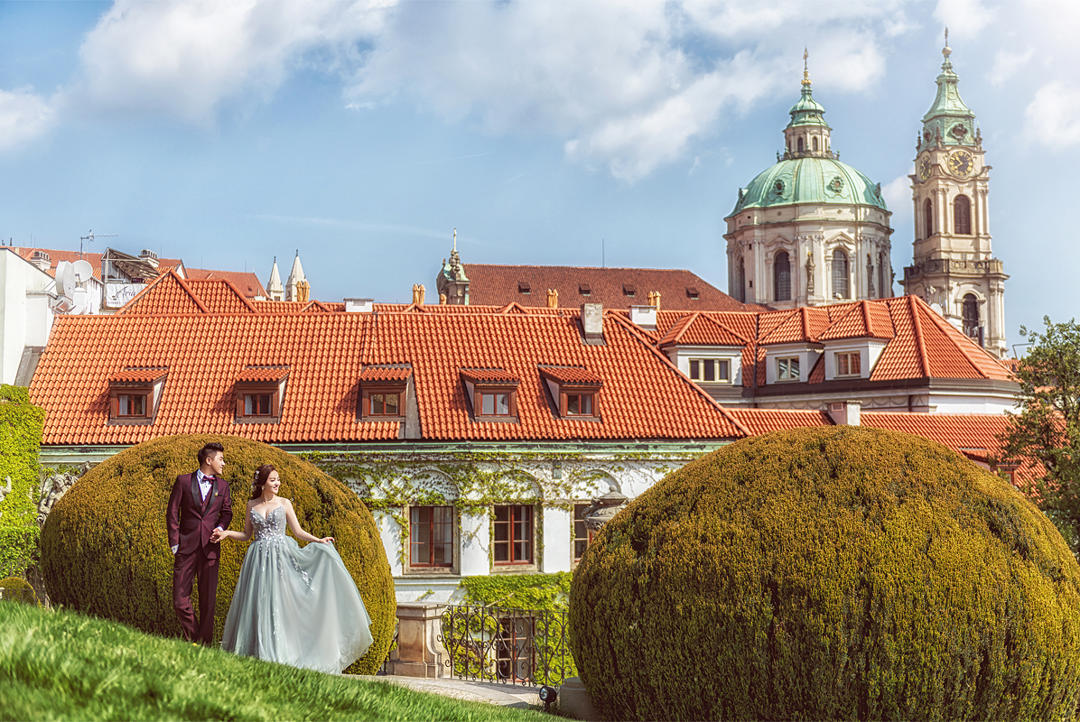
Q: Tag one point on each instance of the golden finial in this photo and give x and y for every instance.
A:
(805, 67)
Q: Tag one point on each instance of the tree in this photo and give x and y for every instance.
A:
(1047, 429)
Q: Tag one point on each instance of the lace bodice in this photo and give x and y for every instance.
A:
(268, 526)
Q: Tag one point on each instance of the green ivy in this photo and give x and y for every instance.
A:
(20, 440)
(549, 592)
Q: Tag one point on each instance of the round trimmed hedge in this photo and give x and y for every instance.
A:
(105, 549)
(834, 573)
(16, 589)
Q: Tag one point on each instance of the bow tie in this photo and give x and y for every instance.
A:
(208, 478)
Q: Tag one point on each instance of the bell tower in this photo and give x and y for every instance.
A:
(953, 267)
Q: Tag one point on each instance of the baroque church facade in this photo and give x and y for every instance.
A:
(812, 231)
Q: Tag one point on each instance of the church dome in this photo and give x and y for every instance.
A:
(809, 179)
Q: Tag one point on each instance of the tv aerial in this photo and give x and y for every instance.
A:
(90, 237)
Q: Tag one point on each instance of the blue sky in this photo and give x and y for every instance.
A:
(362, 132)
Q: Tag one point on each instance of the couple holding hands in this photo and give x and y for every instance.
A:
(293, 605)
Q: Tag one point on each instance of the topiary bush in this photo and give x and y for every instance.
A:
(14, 589)
(832, 573)
(105, 550)
(20, 440)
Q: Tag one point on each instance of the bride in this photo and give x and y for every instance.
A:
(291, 605)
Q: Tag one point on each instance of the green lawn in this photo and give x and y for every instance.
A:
(57, 665)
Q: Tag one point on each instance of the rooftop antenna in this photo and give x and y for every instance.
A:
(90, 237)
(603, 258)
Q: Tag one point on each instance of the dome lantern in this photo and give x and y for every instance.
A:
(807, 134)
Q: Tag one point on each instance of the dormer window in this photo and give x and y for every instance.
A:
(629, 290)
(382, 392)
(524, 287)
(134, 394)
(710, 369)
(492, 393)
(692, 293)
(260, 391)
(848, 363)
(787, 368)
(584, 289)
(575, 391)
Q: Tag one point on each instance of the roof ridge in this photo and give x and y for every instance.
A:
(648, 344)
(866, 317)
(243, 299)
(924, 362)
(937, 321)
(723, 326)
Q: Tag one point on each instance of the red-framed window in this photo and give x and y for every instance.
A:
(431, 536)
(513, 537)
(258, 404)
(384, 403)
(494, 403)
(131, 405)
(582, 536)
(579, 403)
(515, 648)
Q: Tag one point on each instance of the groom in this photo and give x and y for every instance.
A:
(199, 507)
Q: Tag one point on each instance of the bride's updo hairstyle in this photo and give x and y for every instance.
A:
(261, 475)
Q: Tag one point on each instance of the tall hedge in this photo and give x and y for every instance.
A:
(834, 573)
(105, 547)
(20, 440)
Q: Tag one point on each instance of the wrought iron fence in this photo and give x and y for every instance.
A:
(529, 647)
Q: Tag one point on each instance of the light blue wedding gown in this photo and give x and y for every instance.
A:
(295, 606)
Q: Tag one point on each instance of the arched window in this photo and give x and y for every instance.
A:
(839, 274)
(972, 328)
(928, 218)
(962, 216)
(782, 277)
(814, 140)
(885, 289)
(740, 281)
(802, 146)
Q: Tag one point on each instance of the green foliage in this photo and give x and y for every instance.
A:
(20, 439)
(829, 573)
(65, 666)
(105, 546)
(1047, 430)
(14, 589)
(520, 591)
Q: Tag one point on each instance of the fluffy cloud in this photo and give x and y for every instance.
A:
(1053, 116)
(625, 86)
(23, 117)
(897, 195)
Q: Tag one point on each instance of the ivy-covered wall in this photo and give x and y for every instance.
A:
(473, 482)
(20, 440)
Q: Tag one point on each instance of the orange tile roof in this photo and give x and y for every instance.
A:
(246, 283)
(679, 289)
(262, 374)
(219, 295)
(644, 396)
(762, 421)
(166, 294)
(374, 374)
(489, 376)
(572, 375)
(699, 329)
(863, 320)
(138, 375)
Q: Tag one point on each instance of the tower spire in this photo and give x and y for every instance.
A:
(805, 68)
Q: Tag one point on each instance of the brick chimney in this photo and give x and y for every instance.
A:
(592, 323)
(418, 294)
(553, 298)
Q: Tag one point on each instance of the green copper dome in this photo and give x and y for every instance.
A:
(809, 180)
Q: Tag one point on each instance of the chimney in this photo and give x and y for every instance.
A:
(418, 294)
(553, 298)
(41, 260)
(303, 291)
(149, 256)
(359, 305)
(643, 316)
(845, 413)
(592, 323)
(654, 299)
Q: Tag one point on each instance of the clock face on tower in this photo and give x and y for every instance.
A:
(961, 163)
(924, 167)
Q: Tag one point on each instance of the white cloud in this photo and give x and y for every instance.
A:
(1053, 116)
(185, 57)
(1008, 63)
(897, 195)
(964, 18)
(625, 86)
(24, 116)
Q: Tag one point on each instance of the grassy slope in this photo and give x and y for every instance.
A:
(62, 665)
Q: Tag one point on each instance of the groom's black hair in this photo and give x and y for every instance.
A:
(204, 452)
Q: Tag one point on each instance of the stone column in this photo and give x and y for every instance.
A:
(419, 653)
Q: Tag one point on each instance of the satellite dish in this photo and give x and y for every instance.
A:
(80, 301)
(65, 278)
(83, 271)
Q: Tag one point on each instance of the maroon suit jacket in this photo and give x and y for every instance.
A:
(190, 521)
